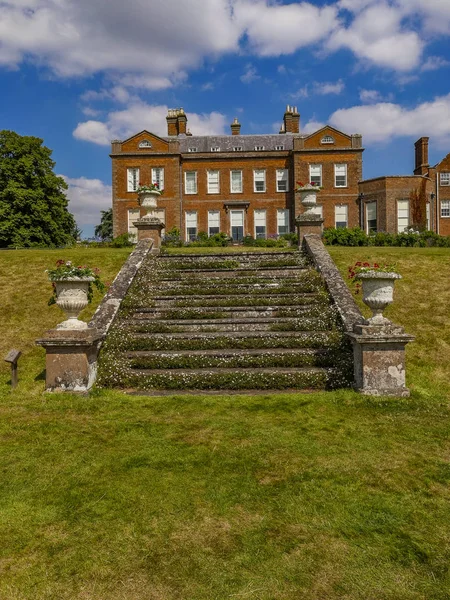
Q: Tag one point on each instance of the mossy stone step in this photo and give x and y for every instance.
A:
(230, 312)
(299, 299)
(231, 255)
(263, 378)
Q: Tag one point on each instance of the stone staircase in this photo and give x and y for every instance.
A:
(247, 321)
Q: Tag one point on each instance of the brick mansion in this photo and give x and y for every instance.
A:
(245, 184)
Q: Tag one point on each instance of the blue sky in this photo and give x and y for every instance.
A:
(79, 73)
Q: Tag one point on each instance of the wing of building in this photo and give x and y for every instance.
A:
(245, 184)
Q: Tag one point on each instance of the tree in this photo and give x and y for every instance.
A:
(33, 205)
(105, 229)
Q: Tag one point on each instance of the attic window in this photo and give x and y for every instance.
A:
(192, 149)
(145, 144)
(215, 149)
(279, 147)
(327, 139)
(259, 147)
(237, 148)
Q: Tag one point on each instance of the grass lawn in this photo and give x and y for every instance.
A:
(305, 497)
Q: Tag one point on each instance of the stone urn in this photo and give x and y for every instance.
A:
(378, 293)
(149, 199)
(72, 297)
(308, 196)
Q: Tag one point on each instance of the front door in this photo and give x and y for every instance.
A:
(237, 225)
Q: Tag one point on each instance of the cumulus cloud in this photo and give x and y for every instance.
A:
(87, 197)
(385, 120)
(319, 88)
(274, 29)
(250, 75)
(377, 36)
(312, 126)
(121, 124)
(373, 96)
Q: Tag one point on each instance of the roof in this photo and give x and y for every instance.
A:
(226, 143)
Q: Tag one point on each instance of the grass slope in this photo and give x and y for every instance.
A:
(323, 496)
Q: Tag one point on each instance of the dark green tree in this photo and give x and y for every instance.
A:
(105, 229)
(33, 205)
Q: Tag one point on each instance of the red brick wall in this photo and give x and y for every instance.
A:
(443, 194)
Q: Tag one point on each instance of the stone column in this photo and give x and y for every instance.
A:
(379, 359)
(71, 359)
(307, 223)
(149, 228)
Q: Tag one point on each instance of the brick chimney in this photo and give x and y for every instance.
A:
(291, 120)
(421, 166)
(172, 122)
(235, 127)
(181, 121)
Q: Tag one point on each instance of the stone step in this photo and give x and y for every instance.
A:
(229, 340)
(253, 256)
(230, 312)
(251, 325)
(204, 274)
(295, 378)
(299, 299)
(237, 359)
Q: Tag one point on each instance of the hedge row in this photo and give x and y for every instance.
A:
(357, 237)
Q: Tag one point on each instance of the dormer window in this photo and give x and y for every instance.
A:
(259, 147)
(237, 148)
(192, 149)
(327, 139)
(215, 149)
(145, 144)
(279, 147)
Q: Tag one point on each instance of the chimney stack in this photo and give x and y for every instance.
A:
(421, 166)
(176, 122)
(235, 127)
(291, 120)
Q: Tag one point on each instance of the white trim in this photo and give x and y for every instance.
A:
(232, 191)
(445, 208)
(336, 175)
(260, 220)
(402, 215)
(285, 177)
(213, 221)
(341, 215)
(255, 171)
(185, 182)
(190, 222)
(315, 166)
(158, 177)
(211, 181)
(132, 179)
(282, 220)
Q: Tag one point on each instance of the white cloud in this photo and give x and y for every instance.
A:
(312, 126)
(151, 39)
(384, 121)
(274, 29)
(121, 124)
(433, 63)
(251, 74)
(376, 36)
(373, 96)
(87, 197)
(435, 13)
(319, 88)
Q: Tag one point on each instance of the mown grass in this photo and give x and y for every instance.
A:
(323, 496)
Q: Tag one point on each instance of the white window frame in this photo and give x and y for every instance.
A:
(336, 175)
(445, 209)
(232, 190)
(279, 147)
(187, 223)
(195, 187)
(215, 149)
(286, 218)
(232, 214)
(327, 139)
(444, 179)
(193, 149)
(133, 215)
(237, 148)
(211, 184)
(402, 206)
(344, 210)
(256, 179)
(262, 214)
(284, 178)
(158, 177)
(259, 148)
(132, 179)
(145, 144)
(215, 220)
(319, 166)
(371, 204)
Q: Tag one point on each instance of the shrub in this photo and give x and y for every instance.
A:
(345, 237)
(122, 241)
(409, 238)
(279, 242)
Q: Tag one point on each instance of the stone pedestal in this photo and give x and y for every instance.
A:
(307, 223)
(149, 228)
(379, 359)
(71, 360)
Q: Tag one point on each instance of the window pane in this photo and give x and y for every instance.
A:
(191, 225)
(315, 174)
(259, 217)
(445, 208)
(282, 221)
(213, 182)
(340, 175)
(402, 215)
(341, 216)
(158, 177)
(282, 180)
(133, 180)
(259, 178)
(445, 178)
(371, 217)
(133, 215)
(191, 182)
(213, 222)
(236, 181)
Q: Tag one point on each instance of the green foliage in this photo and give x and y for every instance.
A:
(357, 237)
(66, 270)
(172, 238)
(122, 241)
(105, 230)
(205, 241)
(33, 205)
(279, 242)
